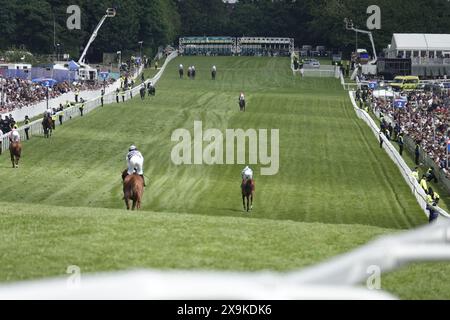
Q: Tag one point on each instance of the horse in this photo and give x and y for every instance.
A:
(142, 92)
(248, 189)
(242, 104)
(15, 149)
(47, 124)
(133, 189)
(213, 74)
(151, 90)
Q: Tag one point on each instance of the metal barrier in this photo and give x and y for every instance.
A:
(35, 128)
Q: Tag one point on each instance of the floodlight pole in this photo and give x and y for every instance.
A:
(140, 52)
(110, 13)
(119, 53)
(47, 97)
(3, 92)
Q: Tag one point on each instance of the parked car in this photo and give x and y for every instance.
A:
(311, 63)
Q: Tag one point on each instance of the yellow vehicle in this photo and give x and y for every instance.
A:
(405, 83)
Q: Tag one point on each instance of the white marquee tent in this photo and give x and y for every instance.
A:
(419, 45)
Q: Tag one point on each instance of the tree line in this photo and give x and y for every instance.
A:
(38, 25)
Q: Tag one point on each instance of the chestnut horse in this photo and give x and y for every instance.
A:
(248, 189)
(133, 189)
(15, 149)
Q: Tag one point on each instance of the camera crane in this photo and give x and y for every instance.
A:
(110, 13)
(350, 26)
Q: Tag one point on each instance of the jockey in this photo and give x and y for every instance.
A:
(242, 97)
(135, 162)
(214, 69)
(247, 174)
(14, 135)
(48, 112)
(180, 67)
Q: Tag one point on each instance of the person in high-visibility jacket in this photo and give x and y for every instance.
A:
(415, 174)
(424, 184)
(81, 107)
(123, 95)
(77, 93)
(54, 121)
(433, 195)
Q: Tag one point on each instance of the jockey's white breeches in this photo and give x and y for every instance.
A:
(136, 163)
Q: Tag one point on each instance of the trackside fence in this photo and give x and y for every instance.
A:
(35, 128)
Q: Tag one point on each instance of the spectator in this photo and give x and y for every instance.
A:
(27, 127)
(401, 144)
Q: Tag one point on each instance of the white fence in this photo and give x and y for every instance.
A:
(35, 128)
(325, 71)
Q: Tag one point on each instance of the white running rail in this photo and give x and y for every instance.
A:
(347, 277)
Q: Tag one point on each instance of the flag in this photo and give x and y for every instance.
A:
(373, 85)
(400, 103)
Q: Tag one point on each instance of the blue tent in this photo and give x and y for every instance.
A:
(73, 66)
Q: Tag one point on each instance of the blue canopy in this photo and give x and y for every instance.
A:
(73, 66)
(46, 82)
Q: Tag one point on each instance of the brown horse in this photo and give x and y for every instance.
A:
(15, 149)
(133, 189)
(248, 190)
(47, 124)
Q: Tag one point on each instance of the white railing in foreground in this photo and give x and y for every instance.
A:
(397, 159)
(353, 276)
(35, 128)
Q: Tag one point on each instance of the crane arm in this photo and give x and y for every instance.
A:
(91, 40)
(349, 26)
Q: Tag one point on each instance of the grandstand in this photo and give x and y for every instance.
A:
(245, 46)
(215, 46)
(264, 46)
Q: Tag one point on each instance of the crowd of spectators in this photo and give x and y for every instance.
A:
(424, 118)
(19, 93)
